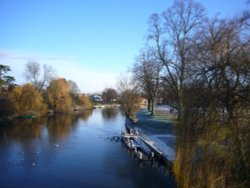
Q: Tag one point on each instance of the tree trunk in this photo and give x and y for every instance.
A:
(153, 107)
(149, 105)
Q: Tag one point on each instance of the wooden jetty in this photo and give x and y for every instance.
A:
(138, 142)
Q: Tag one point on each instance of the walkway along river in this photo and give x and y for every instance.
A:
(73, 150)
(144, 147)
(151, 138)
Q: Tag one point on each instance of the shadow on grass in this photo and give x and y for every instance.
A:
(154, 124)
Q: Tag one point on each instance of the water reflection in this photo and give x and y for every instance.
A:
(62, 125)
(70, 151)
(110, 113)
(85, 115)
(23, 130)
(58, 126)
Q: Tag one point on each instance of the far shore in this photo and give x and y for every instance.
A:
(53, 113)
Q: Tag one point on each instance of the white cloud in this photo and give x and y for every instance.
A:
(88, 80)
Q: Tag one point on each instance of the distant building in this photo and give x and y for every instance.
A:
(97, 98)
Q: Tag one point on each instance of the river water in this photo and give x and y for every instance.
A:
(73, 150)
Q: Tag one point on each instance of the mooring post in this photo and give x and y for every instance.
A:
(140, 155)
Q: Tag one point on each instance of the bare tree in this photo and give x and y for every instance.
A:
(73, 87)
(74, 92)
(129, 95)
(147, 72)
(109, 95)
(226, 71)
(125, 82)
(172, 37)
(217, 99)
(39, 77)
(208, 70)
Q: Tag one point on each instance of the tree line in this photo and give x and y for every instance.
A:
(186, 51)
(44, 93)
(201, 66)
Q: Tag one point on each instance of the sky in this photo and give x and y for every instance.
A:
(91, 42)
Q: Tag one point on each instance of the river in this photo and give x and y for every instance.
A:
(73, 150)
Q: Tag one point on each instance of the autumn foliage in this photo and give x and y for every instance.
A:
(27, 100)
(130, 101)
(85, 102)
(59, 98)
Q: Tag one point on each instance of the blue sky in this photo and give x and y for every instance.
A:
(88, 41)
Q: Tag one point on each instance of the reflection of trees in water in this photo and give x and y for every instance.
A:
(60, 125)
(212, 156)
(24, 129)
(110, 113)
(84, 115)
(24, 132)
(28, 133)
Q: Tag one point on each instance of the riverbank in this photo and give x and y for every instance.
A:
(51, 112)
(113, 105)
(159, 130)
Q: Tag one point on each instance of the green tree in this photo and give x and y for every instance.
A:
(6, 81)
